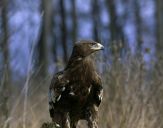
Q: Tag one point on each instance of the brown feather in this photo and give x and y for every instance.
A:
(83, 86)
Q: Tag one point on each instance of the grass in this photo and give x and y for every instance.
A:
(133, 98)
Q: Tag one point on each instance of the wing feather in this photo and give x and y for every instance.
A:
(57, 87)
(97, 89)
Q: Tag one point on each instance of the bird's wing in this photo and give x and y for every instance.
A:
(57, 87)
(97, 90)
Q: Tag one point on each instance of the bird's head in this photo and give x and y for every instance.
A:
(85, 48)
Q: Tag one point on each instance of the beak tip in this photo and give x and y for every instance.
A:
(102, 48)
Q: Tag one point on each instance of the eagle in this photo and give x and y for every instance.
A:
(76, 92)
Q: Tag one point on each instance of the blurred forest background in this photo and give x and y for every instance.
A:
(36, 39)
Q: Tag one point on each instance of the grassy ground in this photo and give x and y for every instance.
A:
(133, 98)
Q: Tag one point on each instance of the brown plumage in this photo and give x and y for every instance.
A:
(76, 92)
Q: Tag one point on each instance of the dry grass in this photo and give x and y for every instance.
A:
(133, 99)
(133, 96)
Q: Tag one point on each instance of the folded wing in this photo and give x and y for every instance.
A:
(57, 87)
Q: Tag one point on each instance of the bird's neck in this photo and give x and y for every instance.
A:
(81, 67)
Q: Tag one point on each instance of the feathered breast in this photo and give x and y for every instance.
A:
(81, 76)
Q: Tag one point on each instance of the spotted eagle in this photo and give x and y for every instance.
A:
(76, 92)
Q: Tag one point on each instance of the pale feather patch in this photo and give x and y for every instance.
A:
(100, 95)
(60, 77)
(89, 89)
(68, 122)
(57, 125)
(59, 97)
(79, 59)
(63, 89)
(72, 93)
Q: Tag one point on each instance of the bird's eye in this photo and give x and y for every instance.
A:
(92, 44)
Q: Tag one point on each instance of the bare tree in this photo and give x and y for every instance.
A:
(138, 24)
(63, 30)
(96, 19)
(118, 44)
(54, 51)
(116, 30)
(5, 87)
(159, 27)
(74, 19)
(45, 35)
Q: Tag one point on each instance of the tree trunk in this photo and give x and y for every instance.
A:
(74, 19)
(115, 28)
(45, 35)
(54, 51)
(159, 22)
(63, 31)
(138, 24)
(96, 20)
(6, 64)
(118, 44)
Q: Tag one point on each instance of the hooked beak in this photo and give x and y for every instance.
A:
(97, 47)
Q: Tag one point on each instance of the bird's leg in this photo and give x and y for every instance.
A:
(66, 121)
(61, 119)
(74, 124)
(91, 117)
(92, 123)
